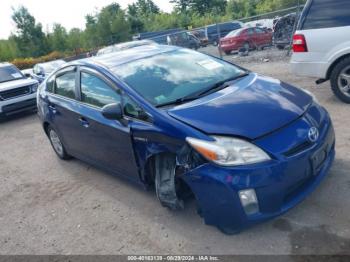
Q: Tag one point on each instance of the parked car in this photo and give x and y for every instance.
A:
(28, 73)
(284, 30)
(184, 39)
(159, 37)
(124, 46)
(248, 147)
(247, 38)
(262, 23)
(200, 34)
(321, 45)
(42, 70)
(17, 93)
(212, 34)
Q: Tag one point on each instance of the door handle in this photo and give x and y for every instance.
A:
(53, 109)
(84, 122)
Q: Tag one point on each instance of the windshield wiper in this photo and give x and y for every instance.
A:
(220, 85)
(177, 101)
(217, 86)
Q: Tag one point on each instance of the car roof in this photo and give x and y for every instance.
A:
(112, 60)
(52, 62)
(5, 64)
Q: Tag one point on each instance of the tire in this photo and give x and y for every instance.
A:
(340, 80)
(57, 145)
(246, 45)
(227, 52)
(280, 47)
(228, 231)
(2, 118)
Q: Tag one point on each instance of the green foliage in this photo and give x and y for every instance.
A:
(29, 37)
(24, 63)
(112, 24)
(58, 38)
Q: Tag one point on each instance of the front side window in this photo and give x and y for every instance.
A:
(50, 85)
(96, 92)
(65, 85)
(9, 73)
(170, 76)
(132, 109)
(259, 30)
(327, 13)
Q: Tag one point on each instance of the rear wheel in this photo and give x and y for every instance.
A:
(340, 80)
(280, 47)
(227, 52)
(246, 46)
(57, 144)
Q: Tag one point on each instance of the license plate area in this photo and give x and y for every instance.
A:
(318, 159)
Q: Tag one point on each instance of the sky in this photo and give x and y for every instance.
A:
(69, 13)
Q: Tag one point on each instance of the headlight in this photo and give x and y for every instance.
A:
(34, 88)
(227, 151)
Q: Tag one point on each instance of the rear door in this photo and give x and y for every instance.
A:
(264, 37)
(105, 142)
(62, 108)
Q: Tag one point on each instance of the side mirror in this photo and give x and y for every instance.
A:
(113, 111)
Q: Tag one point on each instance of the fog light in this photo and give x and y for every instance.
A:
(249, 201)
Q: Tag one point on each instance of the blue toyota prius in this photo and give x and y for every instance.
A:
(246, 146)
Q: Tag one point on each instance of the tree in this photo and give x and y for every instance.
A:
(58, 38)
(29, 37)
(181, 5)
(146, 8)
(91, 38)
(74, 40)
(112, 26)
(136, 22)
(204, 6)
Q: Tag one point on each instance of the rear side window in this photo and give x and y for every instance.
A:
(65, 85)
(96, 92)
(327, 13)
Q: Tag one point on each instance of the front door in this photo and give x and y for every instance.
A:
(106, 143)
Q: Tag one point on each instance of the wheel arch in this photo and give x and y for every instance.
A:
(334, 64)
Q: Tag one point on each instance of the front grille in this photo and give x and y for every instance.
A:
(297, 149)
(20, 91)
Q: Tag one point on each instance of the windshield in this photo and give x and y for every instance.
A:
(234, 33)
(50, 67)
(9, 73)
(170, 76)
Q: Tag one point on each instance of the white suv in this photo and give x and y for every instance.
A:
(321, 44)
(17, 93)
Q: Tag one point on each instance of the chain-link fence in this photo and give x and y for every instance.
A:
(273, 30)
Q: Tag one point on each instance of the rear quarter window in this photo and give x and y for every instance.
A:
(326, 13)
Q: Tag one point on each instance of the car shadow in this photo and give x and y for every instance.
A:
(15, 117)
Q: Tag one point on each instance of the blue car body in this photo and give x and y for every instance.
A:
(268, 113)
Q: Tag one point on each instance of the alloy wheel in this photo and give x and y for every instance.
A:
(344, 81)
(56, 142)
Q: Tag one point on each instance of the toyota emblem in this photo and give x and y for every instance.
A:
(313, 134)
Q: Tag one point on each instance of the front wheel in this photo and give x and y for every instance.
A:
(340, 80)
(57, 144)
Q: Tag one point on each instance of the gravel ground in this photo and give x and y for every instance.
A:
(50, 206)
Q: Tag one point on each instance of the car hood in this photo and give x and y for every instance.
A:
(251, 107)
(17, 83)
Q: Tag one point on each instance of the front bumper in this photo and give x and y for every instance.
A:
(280, 184)
(17, 105)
